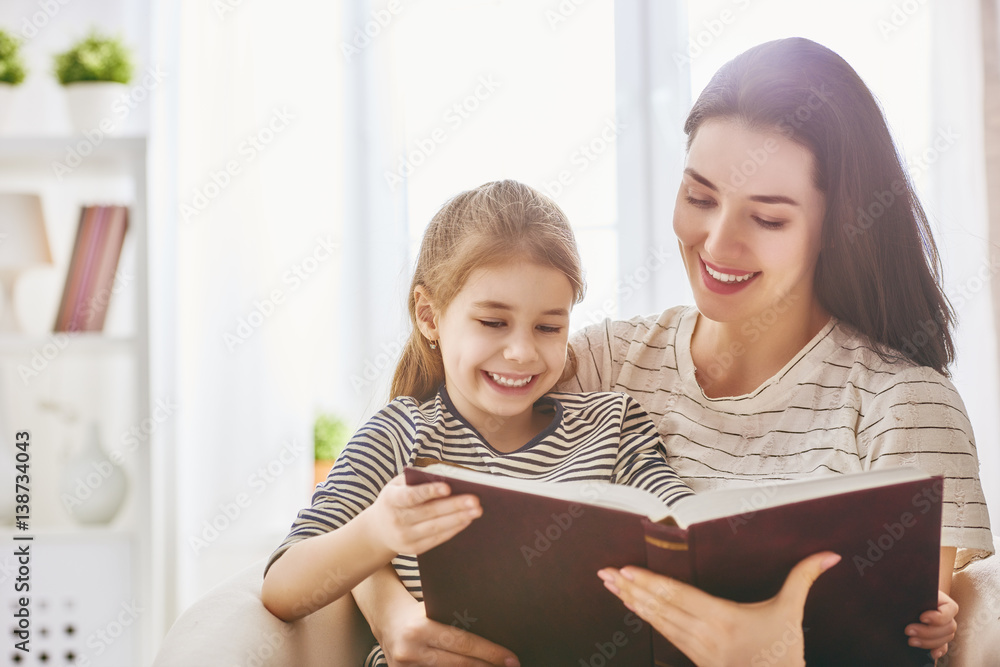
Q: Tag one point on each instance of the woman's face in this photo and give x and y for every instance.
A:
(748, 220)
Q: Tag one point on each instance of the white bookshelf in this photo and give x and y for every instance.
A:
(84, 576)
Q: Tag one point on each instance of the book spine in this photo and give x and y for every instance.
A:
(73, 274)
(668, 553)
(111, 247)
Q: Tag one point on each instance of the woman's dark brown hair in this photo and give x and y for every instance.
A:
(878, 269)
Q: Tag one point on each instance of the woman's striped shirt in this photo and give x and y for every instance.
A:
(836, 407)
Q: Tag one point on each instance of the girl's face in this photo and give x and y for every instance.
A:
(503, 341)
(748, 220)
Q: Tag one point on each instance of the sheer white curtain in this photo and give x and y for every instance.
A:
(259, 208)
(956, 199)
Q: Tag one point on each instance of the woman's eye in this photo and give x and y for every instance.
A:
(768, 224)
(492, 324)
(700, 203)
(544, 328)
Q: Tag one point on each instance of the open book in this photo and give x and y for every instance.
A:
(524, 574)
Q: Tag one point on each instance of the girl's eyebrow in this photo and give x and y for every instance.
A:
(763, 199)
(500, 305)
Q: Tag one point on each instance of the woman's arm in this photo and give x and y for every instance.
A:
(403, 519)
(714, 632)
(409, 638)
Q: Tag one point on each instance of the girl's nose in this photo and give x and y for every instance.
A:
(521, 347)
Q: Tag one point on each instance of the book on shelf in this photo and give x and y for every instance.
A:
(524, 574)
(90, 278)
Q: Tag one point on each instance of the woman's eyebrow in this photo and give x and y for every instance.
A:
(701, 179)
(763, 199)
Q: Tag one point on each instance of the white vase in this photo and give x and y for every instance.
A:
(91, 106)
(6, 101)
(92, 488)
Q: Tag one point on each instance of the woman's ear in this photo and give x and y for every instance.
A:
(426, 313)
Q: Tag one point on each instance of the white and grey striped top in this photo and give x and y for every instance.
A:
(596, 436)
(836, 407)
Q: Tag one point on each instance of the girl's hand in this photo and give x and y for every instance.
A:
(417, 640)
(412, 519)
(719, 633)
(936, 628)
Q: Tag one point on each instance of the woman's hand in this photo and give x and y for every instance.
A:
(936, 627)
(412, 519)
(417, 640)
(718, 633)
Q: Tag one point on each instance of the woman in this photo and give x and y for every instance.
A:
(819, 344)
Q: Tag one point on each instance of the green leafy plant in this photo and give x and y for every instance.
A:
(96, 57)
(330, 434)
(11, 63)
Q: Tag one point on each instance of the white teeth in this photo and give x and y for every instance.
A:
(510, 382)
(728, 277)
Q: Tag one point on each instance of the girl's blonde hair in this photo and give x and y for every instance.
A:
(499, 222)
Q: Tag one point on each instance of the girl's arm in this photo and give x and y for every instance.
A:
(937, 626)
(409, 638)
(403, 519)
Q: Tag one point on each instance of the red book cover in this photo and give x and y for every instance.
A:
(95, 308)
(524, 573)
(74, 274)
(91, 257)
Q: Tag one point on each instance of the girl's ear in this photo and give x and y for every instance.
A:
(426, 313)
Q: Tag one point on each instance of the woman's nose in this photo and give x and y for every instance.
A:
(723, 240)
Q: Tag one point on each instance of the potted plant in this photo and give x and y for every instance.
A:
(94, 73)
(330, 435)
(12, 71)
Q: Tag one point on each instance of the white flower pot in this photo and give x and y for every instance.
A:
(92, 106)
(6, 100)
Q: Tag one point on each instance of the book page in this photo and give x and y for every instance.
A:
(762, 495)
(602, 494)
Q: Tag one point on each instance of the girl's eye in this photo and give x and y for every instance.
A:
(768, 224)
(699, 203)
(544, 328)
(492, 324)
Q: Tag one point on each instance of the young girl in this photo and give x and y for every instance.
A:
(496, 278)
